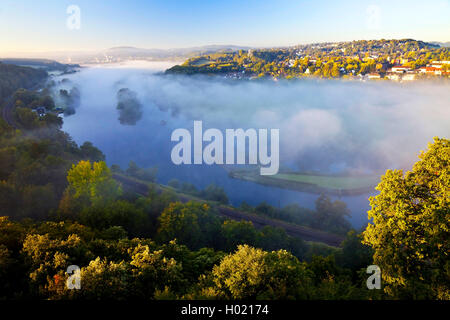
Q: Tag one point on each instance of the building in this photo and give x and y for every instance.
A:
(431, 70)
(400, 69)
(373, 76)
(440, 62)
(436, 65)
(41, 111)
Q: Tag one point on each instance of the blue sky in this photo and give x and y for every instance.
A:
(32, 26)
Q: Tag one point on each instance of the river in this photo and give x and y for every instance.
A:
(315, 134)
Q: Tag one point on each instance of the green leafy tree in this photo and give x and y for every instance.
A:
(90, 152)
(90, 184)
(214, 193)
(235, 233)
(411, 224)
(191, 224)
(331, 215)
(251, 273)
(154, 271)
(354, 255)
(117, 213)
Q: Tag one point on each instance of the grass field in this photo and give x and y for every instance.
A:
(201, 62)
(330, 182)
(340, 185)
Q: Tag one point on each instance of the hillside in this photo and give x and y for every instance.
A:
(13, 77)
(326, 60)
(44, 64)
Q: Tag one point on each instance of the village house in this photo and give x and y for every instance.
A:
(440, 62)
(400, 69)
(436, 65)
(41, 111)
(373, 76)
(431, 70)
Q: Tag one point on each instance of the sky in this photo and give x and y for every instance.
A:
(48, 25)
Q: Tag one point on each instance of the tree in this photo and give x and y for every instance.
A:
(117, 213)
(332, 282)
(214, 193)
(129, 107)
(90, 152)
(191, 224)
(37, 201)
(153, 270)
(411, 224)
(354, 254)
(90, 184)
(100, 280)
(238, 232)
(331, 215)
(47, 257)
(174, 183)
(335, 72)
(251, 273)
(148, 174)
(132, 169)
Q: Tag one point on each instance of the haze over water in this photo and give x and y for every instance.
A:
(327, 126)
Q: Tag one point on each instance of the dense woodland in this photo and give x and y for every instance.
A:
(62, 205)
(13, 77)
(324, 60)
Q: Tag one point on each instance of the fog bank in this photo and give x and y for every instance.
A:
(324, 125)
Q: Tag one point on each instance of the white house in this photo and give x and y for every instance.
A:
(373, 76)
(400, 69)
(409, 77)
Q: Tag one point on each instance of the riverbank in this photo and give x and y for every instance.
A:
(338, 185)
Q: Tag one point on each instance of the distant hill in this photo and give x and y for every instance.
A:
(45, 64)
(441, 44)
(133, 53)
(124, 53)
(114, 54)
